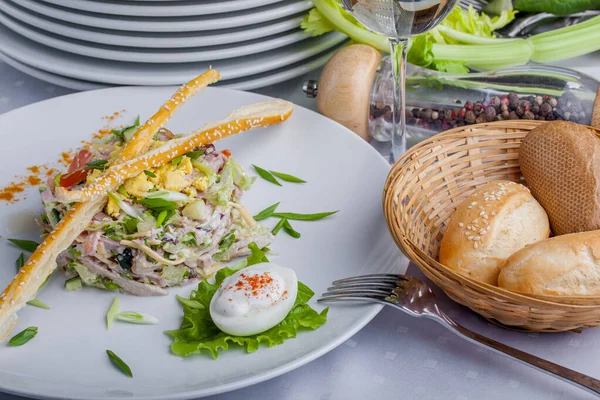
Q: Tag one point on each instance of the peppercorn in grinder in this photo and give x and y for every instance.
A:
(355, 89)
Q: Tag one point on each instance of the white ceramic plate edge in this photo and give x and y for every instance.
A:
(146, 55)
(113, 37)
(256, 16)
(156, 10)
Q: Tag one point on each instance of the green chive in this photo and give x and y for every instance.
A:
(28, 245)
(97, 164)
(266, 175)
(123, 192)
(195, 304)
(176, 161)
(20, 262)
(24, 336)
(278, 227)
(266, 213)
(303, 217)
(195, 154)
(287, 177)
(39, 304)
(150, 173)
(117, 362)
(287, 227)
(111, 286)
(133, 317)
(161, 218)
(112, 312)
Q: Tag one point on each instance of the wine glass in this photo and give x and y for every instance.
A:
(399, 20)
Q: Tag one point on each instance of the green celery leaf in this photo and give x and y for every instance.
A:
(316, 24)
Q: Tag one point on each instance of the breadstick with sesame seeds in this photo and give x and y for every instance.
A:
(253, 116)
(43, 260)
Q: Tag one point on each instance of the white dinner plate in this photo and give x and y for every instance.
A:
(122, 73)
(67, 358)
(151, 39)
(161, 8)
(247, 83)
(169, 24)
(145, 55)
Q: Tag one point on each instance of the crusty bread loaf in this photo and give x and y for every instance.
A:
(498, 219)
(567, 265)
(561, 164)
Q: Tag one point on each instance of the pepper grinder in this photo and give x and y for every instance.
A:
(355, 89)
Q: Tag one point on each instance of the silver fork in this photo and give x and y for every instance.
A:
(416, 298)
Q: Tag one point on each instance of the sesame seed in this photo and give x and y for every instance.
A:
(476, 238)
(493, 212)
(461, 224)
(482, 213)
(469, 207)
(475, 245)
(469, 227)
(473, 203)
(21, 283)
(470, 237)
(12, 302)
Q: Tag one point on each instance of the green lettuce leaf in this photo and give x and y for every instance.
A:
(198, 332)
(232, 174)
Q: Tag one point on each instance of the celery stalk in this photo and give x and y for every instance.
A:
(468, 38)
(490, 56)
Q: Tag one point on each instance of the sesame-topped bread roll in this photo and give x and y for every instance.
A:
(498, 219)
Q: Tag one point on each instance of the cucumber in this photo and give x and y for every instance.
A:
(129, 132)
(73, 284)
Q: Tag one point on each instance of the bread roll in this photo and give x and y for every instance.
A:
(567, 265)
(561, 164)
(498, 219)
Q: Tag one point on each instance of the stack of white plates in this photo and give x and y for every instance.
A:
(89, 44)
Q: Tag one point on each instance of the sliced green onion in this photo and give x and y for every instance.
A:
(28, 245)
(195, 154)
(288, 177)
(287, 227)
(20, 262)
(303, 217)
(39, 304)
(120, 364)
(158, 204)
(278, 227)
(112, 312)
(122, 191)
(137, 318)
(150, 173)
(24, 336)
(266, 175)
(97, 164)
(57, 179)
(266, 213)
(195, 304)
(176, 161)
(167, 195)
(128, 209)
(161, 218)
(111, 286)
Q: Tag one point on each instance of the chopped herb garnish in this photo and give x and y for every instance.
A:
(287, 227)
(39, 304)
(24, 336)
(127, 133)
(97, 164)
(161, 218)
(57, 179)
(278, 227)
(120, 364)
(156, 204)
(112, 312)
(226, 242)
(266, 213)
(196, 154)
(74, 253)
(287, 177)
(303, 217)
(28, 245)
(133, 317)
(130, 224)
(20, 262)
(150, 173)
(176, 161)
(266, 175)
(190, 303)
(109, 285)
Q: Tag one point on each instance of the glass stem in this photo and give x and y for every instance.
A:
(398, 48)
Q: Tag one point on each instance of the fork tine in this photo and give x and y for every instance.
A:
(372, 299)
(358, 292)
(371, 277)
(364, 285)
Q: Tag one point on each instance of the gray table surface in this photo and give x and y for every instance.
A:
(396, 356)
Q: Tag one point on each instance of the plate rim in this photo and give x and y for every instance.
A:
(173, 9)
(103, 21)
(69, 29)
(371, 309)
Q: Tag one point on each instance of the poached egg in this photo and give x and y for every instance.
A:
(254, 299)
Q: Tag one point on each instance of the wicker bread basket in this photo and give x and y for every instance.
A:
(424, 188)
